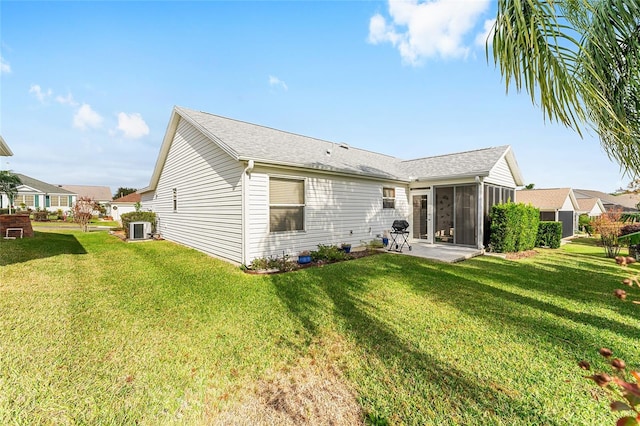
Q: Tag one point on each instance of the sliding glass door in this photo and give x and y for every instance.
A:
(456, 210)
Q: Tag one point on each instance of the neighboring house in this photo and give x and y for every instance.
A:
(240, 191)
(592, 207)
(555, 205)
(122, 205)
(100, 194)
(5, 151)
(35, 194)
(622, 202)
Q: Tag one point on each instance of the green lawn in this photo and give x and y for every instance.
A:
(97, 331)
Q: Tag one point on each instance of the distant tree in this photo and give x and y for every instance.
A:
(579, 61)
(9, 185)
(529, 186)
(634, 186)
(122, 191)
(83, 211)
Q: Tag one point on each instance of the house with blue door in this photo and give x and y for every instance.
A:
(34, 194)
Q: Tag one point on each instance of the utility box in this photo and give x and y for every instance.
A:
(139, 230)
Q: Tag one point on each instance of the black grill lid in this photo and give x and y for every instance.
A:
(400, 225)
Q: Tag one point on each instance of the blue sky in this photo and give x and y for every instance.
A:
(87, 88)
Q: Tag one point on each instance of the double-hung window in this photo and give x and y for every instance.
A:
(286, 204)
(388, 198)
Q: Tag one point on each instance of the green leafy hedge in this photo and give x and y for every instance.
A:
(514, 227)
(549, 234)
(138, 217)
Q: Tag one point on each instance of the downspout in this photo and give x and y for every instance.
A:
(246, 177)
(480, 212)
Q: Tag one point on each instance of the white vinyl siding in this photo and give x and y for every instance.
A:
(338, 210)
(501, 175)
(209, 198)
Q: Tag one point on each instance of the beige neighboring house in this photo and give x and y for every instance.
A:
(624, 202)
(101, 194)
(555, 204)
(5, 151)
(122, 205)
(592, 207)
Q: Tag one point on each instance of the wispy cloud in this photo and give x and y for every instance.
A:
(40, 94)
(85, 117)
(487, 34)
(429, 29)
(276, 82)
(132, 125)
(5, 68)
(66, 100)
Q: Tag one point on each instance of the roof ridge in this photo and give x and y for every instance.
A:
(456, 153)
(286, 132)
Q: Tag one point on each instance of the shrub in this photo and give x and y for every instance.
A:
(584, 223)
(328, 253)
(630, 229)
(514, 227)
(138, 217)
(549, 234)
(4, 211)
(608, 225)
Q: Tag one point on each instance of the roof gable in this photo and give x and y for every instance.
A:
(5, 151)
(547, 199)
(134, 197)
(42, 186)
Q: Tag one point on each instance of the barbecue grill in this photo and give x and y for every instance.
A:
(399, 235)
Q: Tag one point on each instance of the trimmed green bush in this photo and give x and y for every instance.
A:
(549, 234)
(138, 217)
(514, 227)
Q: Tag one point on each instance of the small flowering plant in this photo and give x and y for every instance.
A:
(623, 387)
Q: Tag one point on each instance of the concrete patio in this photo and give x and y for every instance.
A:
(441, 252)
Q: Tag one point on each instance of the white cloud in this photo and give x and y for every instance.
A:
(66, 100)
(486, 34)
(276, 82)
(86, 117)
(39, 93)
(5, 68)
(428, 29)
(132, 125)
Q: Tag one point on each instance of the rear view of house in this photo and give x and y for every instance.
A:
(239, 191)
(556, 205)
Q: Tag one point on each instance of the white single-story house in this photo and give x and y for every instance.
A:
(34, 194)
(100, 194)
(241, 191)
(592, 207)
(555, 205)
(122, 205)
(627, 203)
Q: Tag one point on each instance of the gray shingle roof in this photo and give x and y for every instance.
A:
(246, 141)
(627, 202)
(544, 199)
(469, 163)
(42, 186)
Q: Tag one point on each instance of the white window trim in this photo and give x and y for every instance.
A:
(303, 205)
(389, 198)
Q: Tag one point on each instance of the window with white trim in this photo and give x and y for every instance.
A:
(388, 198)
(27, 200)
(286, 204)
(58, 200)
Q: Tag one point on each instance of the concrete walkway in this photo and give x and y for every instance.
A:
(442, 252)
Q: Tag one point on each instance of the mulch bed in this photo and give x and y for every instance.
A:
(521, 255)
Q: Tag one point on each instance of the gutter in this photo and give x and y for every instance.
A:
(246, 177)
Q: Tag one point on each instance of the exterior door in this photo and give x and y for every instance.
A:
(421, 216)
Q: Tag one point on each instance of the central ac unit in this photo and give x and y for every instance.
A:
(139, 230)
